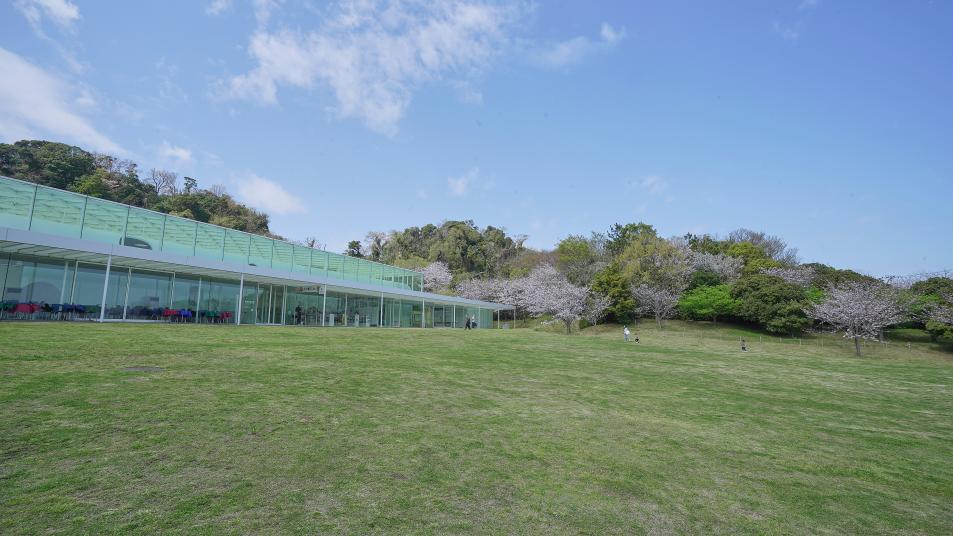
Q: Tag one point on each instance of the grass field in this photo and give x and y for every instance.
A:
(268, 430)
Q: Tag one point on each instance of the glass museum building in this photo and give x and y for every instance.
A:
(66, 256)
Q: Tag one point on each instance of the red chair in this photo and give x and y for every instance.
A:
(169, 314)
(25, 309)
(226, 316)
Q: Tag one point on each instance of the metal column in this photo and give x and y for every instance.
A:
(241, 293)
(102, 304)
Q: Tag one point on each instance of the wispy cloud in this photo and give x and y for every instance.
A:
(63, 13)
(217, 7)
(459, 186)
(652, 184)
(35, 103)
(267, 195)
(572, 51)
(791, 29)
(374, 55)
(174, 153)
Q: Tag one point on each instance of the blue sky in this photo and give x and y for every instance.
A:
(826, 122)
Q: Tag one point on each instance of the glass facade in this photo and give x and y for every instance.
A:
(43, 286)
(58, 212)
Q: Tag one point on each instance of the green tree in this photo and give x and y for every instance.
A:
(620, 236)
(654, 261)
(771, 302)
(611, 283)
(354, 249)
(708, 303)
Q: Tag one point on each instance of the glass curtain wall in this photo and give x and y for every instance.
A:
(149, 294)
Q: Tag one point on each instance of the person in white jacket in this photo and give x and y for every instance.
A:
(625, 333)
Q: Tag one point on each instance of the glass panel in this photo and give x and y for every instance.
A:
(58, 212)
(303, 306)
(249, 302)
(104, 221)
(319, 262)
(144, 229)
(88, 289)
(31, 280)
(334, 309)
(282, 256)
(16, 199)
(350, 268)
(116, 292)
(260, 252)
(179, 236)
(236, 246)
(208, 241)
(335, 265)
(149, 295)
(185, 297)
(364, 271)
(219, 301)
(376, 274)
(363, 311)
(302, 259)
(391, 312)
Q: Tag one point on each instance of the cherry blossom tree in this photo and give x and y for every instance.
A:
(437, 276)
(801, 276)
(860, 309)
(596, 307)
(659, 301)
(726, 266)
(943, 313)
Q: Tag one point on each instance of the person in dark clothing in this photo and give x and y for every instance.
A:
(467, 325)
(744, 346)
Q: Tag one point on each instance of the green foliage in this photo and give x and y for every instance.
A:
(771, 302)
(465, 248)
(708, 303)
(107, 177)
(611, 283)
(620, 236)
(939, 331)
(936, 286)
(354, 249)
(651, 260)
(703, 278)
(707, 244)
(826, 276)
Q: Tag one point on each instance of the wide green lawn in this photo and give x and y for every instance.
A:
(296, 430)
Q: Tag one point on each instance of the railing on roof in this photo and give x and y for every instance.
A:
(32, 207)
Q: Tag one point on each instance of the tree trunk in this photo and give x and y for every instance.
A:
(658, 320)
(568, 326)
(857, 346)
(714, 320)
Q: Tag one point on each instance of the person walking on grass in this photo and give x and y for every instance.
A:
(467, 325)
(636, 338)
(625, 333)
(744, 346)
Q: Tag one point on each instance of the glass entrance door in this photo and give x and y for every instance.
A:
(270, 301)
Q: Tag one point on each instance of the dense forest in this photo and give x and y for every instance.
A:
(107, 177)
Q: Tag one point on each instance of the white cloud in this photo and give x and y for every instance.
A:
(374, 55)
(807, 4)
(268, 195)
(62, 12)
(263, 10)
(180, 155)
(460, 185)
(788, 33)
(34, 103)
(650, 184)
(573, 51)
(217, 7)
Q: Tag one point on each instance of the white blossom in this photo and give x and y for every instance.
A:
(801, 276)
(437, 276)
(596, 307)
(726, 266)
(657, 300)
(860, 309)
